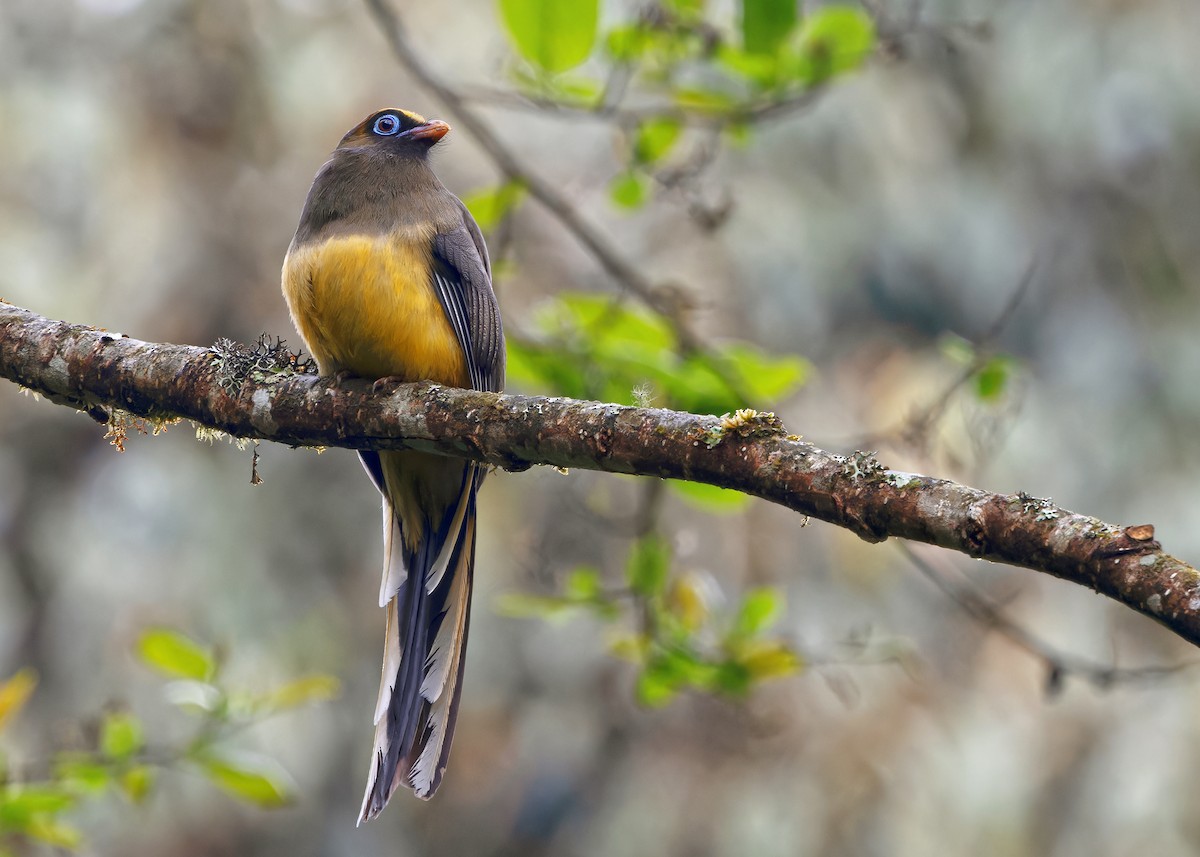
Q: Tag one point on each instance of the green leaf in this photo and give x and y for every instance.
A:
(175, 655)
(599, 348)
(573, 89)
(710, 498)
(54, 832)
(81, 774)
(21, 805)
(551, 34)
(832, 40)
(687, 8)
(669, 670)
(254, 779)
(732, 678)
(120, 735)
(489, 206)
(629, 190)
(655, 688)
(584, 588)
(992, 380)
(739, 134)
(710, 100)
(649, 562)
(659, 50)
(583, 584)
(618, 325)
(688, 667)
(627, 43)
(37, 799)
(760, 69)
(540, 367)
(655, 138)
(760, 609)
(956, 349)
(766, 24)
(764, 377)
(702, 382)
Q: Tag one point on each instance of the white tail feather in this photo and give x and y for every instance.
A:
(434, 577)
(394, 572)
(423, 771)
(372, 776)
(441, 660)
(392, 653)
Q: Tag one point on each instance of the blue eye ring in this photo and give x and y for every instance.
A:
(386, 125)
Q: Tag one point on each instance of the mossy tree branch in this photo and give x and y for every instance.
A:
(98, 372)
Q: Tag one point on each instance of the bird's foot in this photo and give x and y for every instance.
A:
(341, 376)
(387, 384)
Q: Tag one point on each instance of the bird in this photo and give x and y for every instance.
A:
(388, 278)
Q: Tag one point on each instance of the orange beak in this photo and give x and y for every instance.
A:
(433, 130)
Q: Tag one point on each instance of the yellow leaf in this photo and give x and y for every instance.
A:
(769, 660)
(254, 779)
(629, 647)
(690, 598)
(136, 782)
(301, 691)
(15, 692)
(47, 829)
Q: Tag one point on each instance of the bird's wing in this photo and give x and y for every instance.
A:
(462, 279)
(464, 287)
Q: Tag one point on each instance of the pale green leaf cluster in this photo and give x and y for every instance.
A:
(669, 625)
(686, 57)
(123, 761)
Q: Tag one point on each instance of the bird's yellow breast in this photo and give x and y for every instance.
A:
(366, 305)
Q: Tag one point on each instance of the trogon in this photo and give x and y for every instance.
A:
(388, 277)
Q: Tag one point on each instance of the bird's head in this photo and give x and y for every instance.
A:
(400, 131)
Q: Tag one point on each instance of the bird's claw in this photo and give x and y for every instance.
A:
(386, 384)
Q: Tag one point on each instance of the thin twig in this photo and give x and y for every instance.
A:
(1059, 665)
(919, 423)
(751, 113)
(915, 428)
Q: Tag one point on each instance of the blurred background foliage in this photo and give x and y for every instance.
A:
(957, 232)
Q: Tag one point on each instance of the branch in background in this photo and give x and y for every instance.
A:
(756, 113)
(918, 426)
(99, 372)
(1059, 665)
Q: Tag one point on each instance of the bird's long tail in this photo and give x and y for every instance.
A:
(429, 547)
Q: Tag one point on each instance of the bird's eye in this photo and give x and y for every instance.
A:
(386, 125)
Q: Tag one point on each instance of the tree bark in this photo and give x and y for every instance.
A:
(254, 393)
